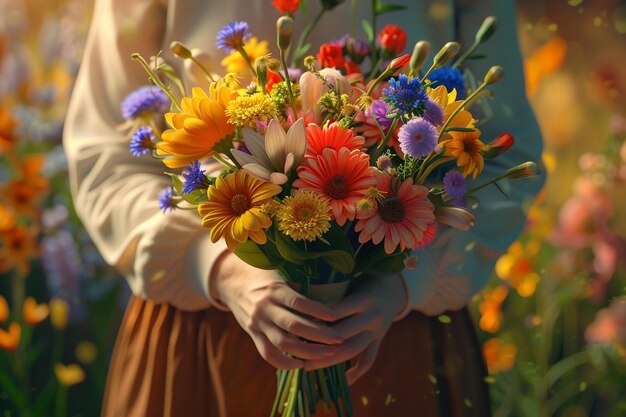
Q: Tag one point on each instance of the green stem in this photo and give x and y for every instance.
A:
(465, 102)
(305, 34)
(61, 402)
(353, 16)
(466, 55)
(156, 80)
(245, 56)
(376, 68)
(373, 40)
(283, 60)
(429, 169)
(202, 68)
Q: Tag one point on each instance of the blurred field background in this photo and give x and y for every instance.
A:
(552, 318)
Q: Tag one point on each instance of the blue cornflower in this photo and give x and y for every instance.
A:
(142, 141)
(454, 184)
(418, 138)
(166, 200)
(451, 78)
(406, 95)
(147, 99)
(232, 36)
(194, 178)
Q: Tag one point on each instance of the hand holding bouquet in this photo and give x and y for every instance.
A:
(344, 168)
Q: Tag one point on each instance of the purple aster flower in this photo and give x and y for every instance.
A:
(418, 138)
(294, 74)
(406, 95)
(379, 111)
(142, 141)
(433, 113)
(357, 49)
(147, 99)
(451, 78)
(454, 184)
(343, 41)
(232, 36)
(194, 178)
(166, 200)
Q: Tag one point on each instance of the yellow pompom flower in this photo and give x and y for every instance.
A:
(467, 149)
(235, 210)
(197, 128)
(304, 216)
(234, 62)
(69, 375)
(247, 110)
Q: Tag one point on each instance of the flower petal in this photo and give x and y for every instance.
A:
(275, 143)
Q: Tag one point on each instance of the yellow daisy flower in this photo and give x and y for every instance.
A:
(234, 62)
(468, 151)
(448, 102)
(304, 216)
(235, 210)
(195, 131)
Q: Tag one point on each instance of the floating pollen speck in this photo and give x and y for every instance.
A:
(159, 275)
(364, 400)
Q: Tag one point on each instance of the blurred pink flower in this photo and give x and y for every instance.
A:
(609, 325)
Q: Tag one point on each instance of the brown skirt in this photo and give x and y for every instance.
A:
(172, 363)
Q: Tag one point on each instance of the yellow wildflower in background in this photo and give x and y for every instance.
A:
(499, 356)
(491, 308)
(69, 375)
(86, 352)
(235, 208)
(59, 313)
(304, 216)
(516, 267)
(234, 62)
(246, 111)
(197, 128)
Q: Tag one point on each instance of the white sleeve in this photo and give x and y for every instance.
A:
(459, 263)
(165, 257)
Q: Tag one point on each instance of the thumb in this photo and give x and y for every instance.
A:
(363, 362)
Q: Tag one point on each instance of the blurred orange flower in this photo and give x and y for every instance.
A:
(516, 267)
(9, 339)
(491, 308)
(34, 313)
(499, 356)
(546, 60)
(4, 309)
(24, 193)
(7, 126)
(17, 247)
(7, 219)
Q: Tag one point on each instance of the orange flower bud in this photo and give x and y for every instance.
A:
(449, 50)
(500, 145)
(398, 63)
(284, 29)
(180, 50)
(392, 39)
(525, 170)
(286, 6)
(420, 52)
(494, 75)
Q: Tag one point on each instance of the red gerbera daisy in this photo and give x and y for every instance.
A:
(331, 136)
(343, 177)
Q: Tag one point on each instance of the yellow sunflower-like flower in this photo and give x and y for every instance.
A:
(197, 128)
(235, 208)
(448, 102)
(234, 62)
(467, 149)
(304, 216)
(247, 110)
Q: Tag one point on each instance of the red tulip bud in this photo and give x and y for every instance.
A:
(500, 145)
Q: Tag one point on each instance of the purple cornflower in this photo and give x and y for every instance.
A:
(406, 95)
(379, 111)
(418, 138)
(433, 113)
(454, 184)
(452, 78)
(194, 178)
(232, 36)
(166, 200)
(142, 141)
(147, 99)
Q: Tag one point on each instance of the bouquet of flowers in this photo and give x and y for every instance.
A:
(337, 169)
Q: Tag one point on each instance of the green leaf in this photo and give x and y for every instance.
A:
(367, 28)
(479, 56)
(499, 187)
(388, 8)
(301, 51)
(176, 183)
(374, 258)
(262, 257)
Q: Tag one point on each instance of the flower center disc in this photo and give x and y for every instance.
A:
(240, 203)
(336, 188)
(391, 210)
(418, 137)
(303, 212)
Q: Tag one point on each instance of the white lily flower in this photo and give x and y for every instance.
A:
(273, 157)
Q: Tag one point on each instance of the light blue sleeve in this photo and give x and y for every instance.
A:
(458, 264)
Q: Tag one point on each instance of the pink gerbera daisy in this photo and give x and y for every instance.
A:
(403, 217)
(331, 136)
(343, 177)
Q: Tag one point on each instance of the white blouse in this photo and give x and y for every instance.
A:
(168, 257)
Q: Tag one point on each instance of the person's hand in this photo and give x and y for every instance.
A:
(274, 315)
(363, 319)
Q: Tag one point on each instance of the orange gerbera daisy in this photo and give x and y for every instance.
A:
(331, 136)
(401, 218)
(343, 177)
(468, 150)
(234, 210)
(197, 128)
